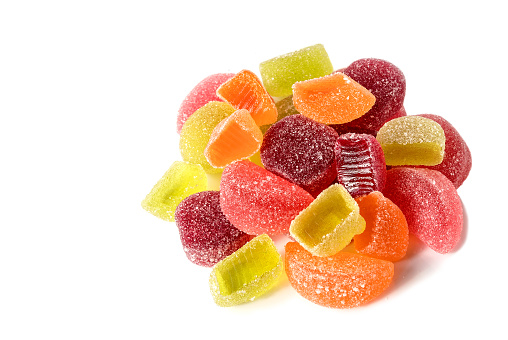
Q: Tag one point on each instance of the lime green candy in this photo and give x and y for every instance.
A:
(285, 107)
(180, 181)
(197, 130)
(247, 273)
(280, 73)
(329, 223)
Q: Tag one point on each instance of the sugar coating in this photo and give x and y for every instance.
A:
(301, 150)
(197, 130)
(280, 73)
(257, 201)
(247, 273)
(430, 203)
(361, 166)
(412, 140)
(332, 99)
(345, 280)
(386, 234)
(206, 234)
(182, 179)
(201, 94)
(329, 223)
(353, 127)
(285, 107)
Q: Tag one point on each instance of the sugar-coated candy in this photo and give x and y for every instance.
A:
(236, 137)
(201, 94)
(430, 203)
(197, 130)
(182, 179)
(329, 223)
(247, 273)
(412, 140)
(280, 73)
(344, 280)
(301, 150)
(206, 234)
(332, 99)
(245, 91)
(386, 234)
(457, 161)
(257, 201)
(361, 164)
(285, 107)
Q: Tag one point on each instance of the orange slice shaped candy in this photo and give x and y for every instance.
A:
(245, 91)
(344, 280)
(236, 137)
(332, 99)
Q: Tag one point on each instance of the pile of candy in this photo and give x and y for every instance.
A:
(325, 157)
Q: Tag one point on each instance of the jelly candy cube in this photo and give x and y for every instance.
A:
(197, 130)
(386, 234)
(247, 273)
(280, 73)
(329, 223)
(430, 203)
(182, 179)
(257, 201)
(412, 140)
(361, 164)
(302, 151)
(236, 137)
(245, 91)
(201, 94)
(332, 99)
(285, 107)
(345, 280)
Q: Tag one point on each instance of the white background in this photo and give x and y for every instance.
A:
(89, 92)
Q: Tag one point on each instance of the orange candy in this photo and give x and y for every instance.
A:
(236, 137)
(386, 234)
(332, 99)
(245, 91)
(344, 280)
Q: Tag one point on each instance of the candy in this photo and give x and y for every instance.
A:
(332, 99)
(206, 234)
(197, 130)
(344, 280)
(247, 273)
(245, 91)
(285, 107)
(412, 140)
(430, 203)
(280, 73)
(201, 94)
(301, 150)
(361, 164)
(457, 162)
(236, 137)
(352, 127)
(257, 201)
(329, 223)
(386, 234)
(182, 179)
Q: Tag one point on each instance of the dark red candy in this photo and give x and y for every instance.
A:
(206, 234)
(300, 150)
(361, 166)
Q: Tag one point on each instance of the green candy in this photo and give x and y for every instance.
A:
(285, 108)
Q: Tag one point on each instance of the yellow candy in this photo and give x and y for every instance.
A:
(329, 223)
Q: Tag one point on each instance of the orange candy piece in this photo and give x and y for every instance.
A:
(344, 280)
(234, 138)
(245, 91)
(332, 99)
(386, 234)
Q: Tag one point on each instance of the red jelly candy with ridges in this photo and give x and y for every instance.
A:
(202, 93)
(387, 83)
(257, 201)
(430, 203)
(457, 162)
(361, 166)
(300, 150)
(206, 234)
